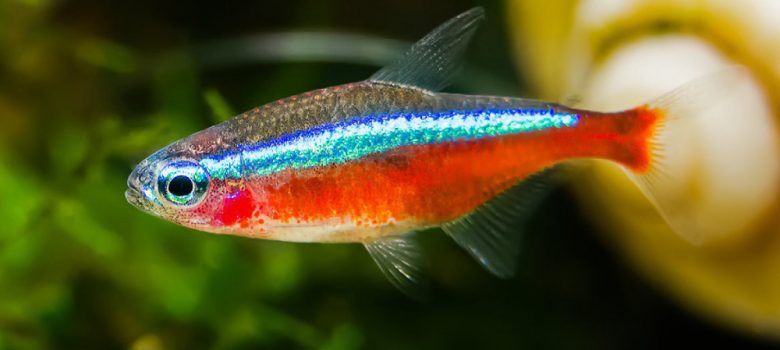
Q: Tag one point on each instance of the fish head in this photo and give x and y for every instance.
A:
(174, 185)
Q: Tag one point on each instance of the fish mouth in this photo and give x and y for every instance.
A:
(135, 195)
(136, 199)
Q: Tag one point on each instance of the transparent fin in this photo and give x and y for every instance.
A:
(671, 194)
(402, 262)
(432, 61)
(492, 232)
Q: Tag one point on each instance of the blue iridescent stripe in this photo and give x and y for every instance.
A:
(352, 139)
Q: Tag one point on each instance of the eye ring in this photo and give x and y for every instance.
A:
(182, 183)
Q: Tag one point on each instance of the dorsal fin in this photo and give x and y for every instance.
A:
(401, 260)
(432, 61)
(492, 232)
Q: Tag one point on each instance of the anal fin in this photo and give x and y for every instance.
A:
(402, 261)
(492, 232)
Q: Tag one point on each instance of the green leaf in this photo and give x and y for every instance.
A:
(220, 109)
(67, 149)
(108, 55)
(74, 219)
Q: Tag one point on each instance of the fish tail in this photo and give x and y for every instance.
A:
(667, 139)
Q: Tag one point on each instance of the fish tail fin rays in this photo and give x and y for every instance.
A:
(431, 63)
(672, 140)
(401, 260)
(492, 233)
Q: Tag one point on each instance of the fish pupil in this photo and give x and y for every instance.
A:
(181, 186)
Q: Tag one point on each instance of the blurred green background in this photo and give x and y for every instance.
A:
(88, 88)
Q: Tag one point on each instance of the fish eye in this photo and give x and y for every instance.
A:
(183, 183)
(181, 186)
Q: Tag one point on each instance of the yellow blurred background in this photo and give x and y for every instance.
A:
(614, 54)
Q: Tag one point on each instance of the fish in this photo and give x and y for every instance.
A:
(373, 162)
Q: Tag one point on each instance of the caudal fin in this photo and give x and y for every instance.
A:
(672, 147)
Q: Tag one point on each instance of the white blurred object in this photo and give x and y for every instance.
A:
(722, 159)
(618, 53)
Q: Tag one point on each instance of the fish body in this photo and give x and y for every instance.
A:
(392, 159)
(372, 161)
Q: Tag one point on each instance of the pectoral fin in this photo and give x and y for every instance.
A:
(402, 262)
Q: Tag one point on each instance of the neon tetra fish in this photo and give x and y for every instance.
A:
(372, 161)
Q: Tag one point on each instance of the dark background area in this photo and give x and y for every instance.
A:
(88, 88)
